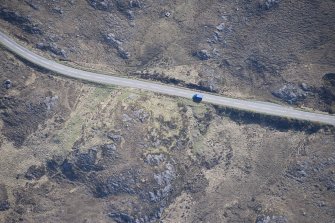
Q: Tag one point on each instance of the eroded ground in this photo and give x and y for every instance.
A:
(75, 152)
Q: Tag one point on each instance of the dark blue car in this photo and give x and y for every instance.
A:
(197, 98)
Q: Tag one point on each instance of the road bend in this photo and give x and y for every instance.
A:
(254, 106)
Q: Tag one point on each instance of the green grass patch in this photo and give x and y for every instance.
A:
(71, 132)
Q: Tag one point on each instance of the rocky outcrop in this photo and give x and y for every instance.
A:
(268, 4)
(35, 172)
(123, 6)
(290, 93)
(114, 136)
(126, 7)
(20, 21)
(329, 87)
(122, 217)
(4, 203)
(104, 5)
(202, 55)
(50, 102)
(123, 183)
(116, 43)
(53, 48)
(155, 159)
(271, 219)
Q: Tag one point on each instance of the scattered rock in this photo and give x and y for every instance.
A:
(305, 87)
(126, 118)
(141, 115)
(220, 27)
(50, 102)
(7, 84)
(32, 4)
(202, 55)
(58, 10)
(155, 159)
(268, 4)
(126, 6)
(123, 54)
(123, 6)
(114, 136)
(298, 171)
(135, 4)
(271, 219)
(35, 172)
(130, 14)
(4, 203)
(112, 40)
(216, 38)
(328, 182)
(109, 151)
(20, 21)
(290, 93)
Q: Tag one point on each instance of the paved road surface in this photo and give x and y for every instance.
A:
(255, 106)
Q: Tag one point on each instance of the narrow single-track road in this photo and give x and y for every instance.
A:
(254, 106)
